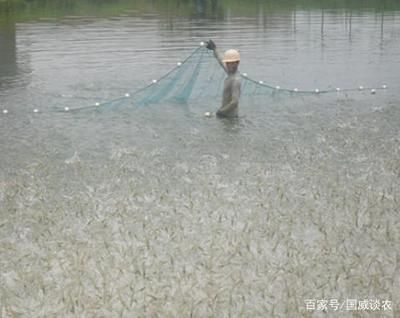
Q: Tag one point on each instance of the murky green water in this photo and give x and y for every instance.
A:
(160, 212)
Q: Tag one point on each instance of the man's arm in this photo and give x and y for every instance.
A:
(211, 46)
(219, 58)
(231, 106)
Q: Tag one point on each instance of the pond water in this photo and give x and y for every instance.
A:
(157, 211)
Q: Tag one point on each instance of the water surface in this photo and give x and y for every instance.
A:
(159, 211)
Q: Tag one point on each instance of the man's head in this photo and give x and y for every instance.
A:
(231, 60)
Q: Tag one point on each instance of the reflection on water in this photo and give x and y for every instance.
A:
(279, 44)
(160, 211)
(8, 58)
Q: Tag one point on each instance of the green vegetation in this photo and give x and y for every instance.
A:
(21, 10)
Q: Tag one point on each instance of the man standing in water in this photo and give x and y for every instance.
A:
(230, 98)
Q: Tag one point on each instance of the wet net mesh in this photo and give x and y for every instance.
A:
(199, 76)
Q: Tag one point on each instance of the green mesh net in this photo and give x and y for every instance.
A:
(198, 77)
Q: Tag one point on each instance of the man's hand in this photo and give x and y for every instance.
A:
(211, 45)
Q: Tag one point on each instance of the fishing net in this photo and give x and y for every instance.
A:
(196, 78)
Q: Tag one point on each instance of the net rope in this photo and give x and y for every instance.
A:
(197, 77)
